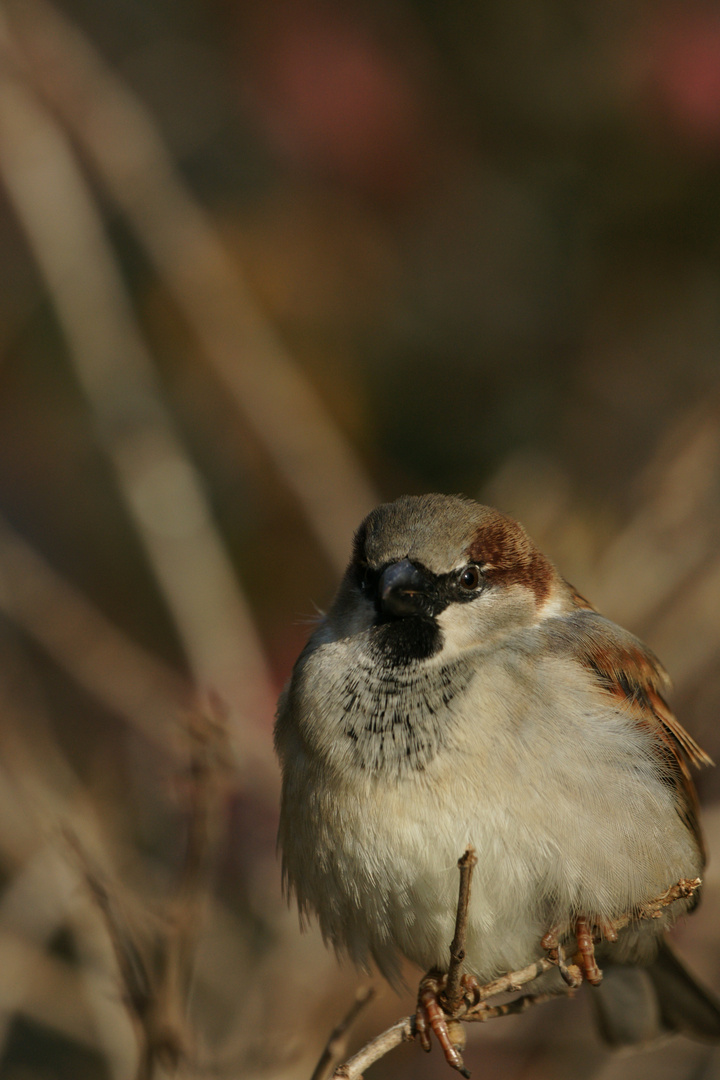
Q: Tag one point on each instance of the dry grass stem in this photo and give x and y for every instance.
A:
(162, 491)
(275, 398)
(674, 529)
(102, 659)
(156, 961)
(206, 790)
(662, 570)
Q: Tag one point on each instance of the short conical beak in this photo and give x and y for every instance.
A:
(403, 589)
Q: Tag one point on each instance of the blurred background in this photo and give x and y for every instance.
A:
(261, 266)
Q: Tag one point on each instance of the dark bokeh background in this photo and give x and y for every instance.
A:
(261, 265)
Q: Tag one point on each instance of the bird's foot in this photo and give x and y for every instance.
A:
(430, 1015)
(572, 973)
(585, 964)
(585, 956)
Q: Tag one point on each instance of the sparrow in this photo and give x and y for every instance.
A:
(461, 694)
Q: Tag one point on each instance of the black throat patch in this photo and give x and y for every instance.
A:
(397, 718)
(397, 642)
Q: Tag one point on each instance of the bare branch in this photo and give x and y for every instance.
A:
(336, 1044)
(514, 980)
(682, 890)
(400, 1032)
(473, 1007)
(508, 1008)
(452, 994)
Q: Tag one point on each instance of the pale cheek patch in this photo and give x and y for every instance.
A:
(463, 627)
(488, 619)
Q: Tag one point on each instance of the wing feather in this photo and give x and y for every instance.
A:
(628, 671)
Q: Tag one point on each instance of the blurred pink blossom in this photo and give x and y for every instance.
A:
(685, 71)
(331, 97)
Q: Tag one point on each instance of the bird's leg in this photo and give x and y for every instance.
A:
(433, 1013)
(586, 951)
(430, 1016)
(571, 973)
(606, 929)
(585, 965)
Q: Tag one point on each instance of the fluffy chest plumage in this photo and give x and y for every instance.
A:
(396, 772)
(394, 721)
(356, 713)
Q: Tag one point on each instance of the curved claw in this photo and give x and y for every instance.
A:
(430, 1016)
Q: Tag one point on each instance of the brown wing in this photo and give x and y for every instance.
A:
(628, 670)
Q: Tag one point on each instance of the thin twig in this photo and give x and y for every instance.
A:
(401, 1031)
(514, 980)
(30, 915)
(682, 890)
(337, 1042)
(571, 973)
(452, 994)
(473, 1007)
(508, 1008)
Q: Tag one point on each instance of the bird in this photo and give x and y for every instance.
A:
(460, 695)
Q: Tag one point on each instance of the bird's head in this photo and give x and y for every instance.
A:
(439, 573)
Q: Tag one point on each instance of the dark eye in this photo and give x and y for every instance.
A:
(470, 577)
